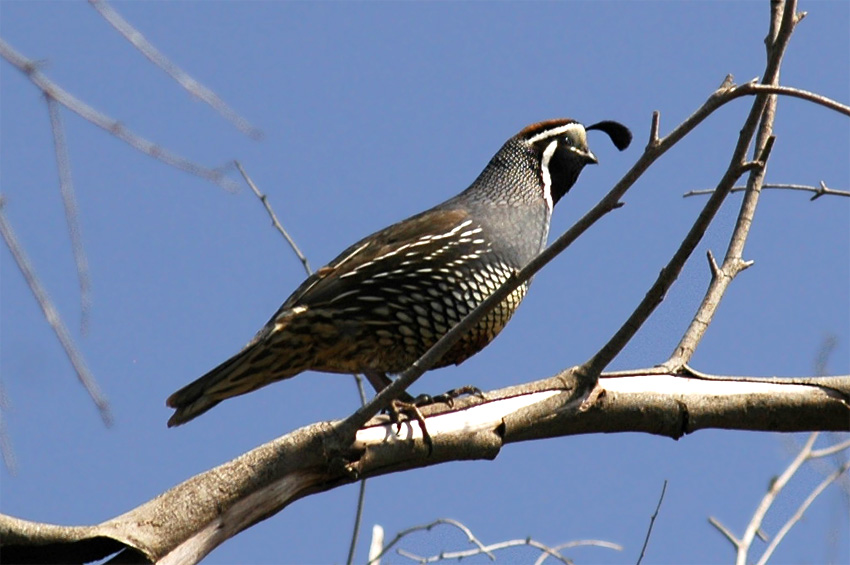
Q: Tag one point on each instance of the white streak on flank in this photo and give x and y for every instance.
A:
(547, 178)
(558, 131)
(454, 230)
(353, 253)
(343, 295)
(284, 318)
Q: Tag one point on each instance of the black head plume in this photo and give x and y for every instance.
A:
(620, 135)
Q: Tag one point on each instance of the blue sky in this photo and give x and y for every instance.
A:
(372, 112)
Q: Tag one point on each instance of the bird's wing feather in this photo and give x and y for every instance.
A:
(330, 280)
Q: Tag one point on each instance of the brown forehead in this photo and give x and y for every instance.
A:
(534, 129)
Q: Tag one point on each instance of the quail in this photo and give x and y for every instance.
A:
(385, 300)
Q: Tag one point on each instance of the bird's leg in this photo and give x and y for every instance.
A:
(411, 410)
(404, 404)
(379, 381)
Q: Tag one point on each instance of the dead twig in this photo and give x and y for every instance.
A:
(807, 453)
(275, 222)
(786, 527)
(427, 528)
(66, 188)
(652, 522)
(191, 85)
(52, 316)
(784, 19)
(358, 380)
(53, 91)
(480, 548)
(822, 190)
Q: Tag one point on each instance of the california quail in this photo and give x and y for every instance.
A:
(385, 300)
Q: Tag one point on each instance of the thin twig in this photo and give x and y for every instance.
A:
(825, 351)
(275, 222)
(447, 555)
(769, 498)
(66, 188)
(579, 543)
(806, 453)
(110, 125)
(358, 380)
(183, 79)
(786, 527)
(358, 520)
(6, 450)
(762, 114)
(428, 527)
(819, 191)
(727, 533)
(53, 318)
(361, 495)
(802, 94)
(831, 450)
(652, 522)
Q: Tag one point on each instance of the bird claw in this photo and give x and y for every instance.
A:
(411, 410)
(449, 396)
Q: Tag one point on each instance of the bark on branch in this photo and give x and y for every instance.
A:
(188, 521)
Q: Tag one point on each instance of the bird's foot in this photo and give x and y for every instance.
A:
(411, 410)
(409, 406)
(449, 396)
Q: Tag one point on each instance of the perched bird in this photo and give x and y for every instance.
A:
(385, 300)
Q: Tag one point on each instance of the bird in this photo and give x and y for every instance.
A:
(380, 304)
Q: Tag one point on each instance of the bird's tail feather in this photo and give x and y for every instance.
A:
(246, 371)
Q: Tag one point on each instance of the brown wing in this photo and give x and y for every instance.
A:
(329, 282)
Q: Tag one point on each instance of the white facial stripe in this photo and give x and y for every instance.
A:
(547, 178)
(556, 132)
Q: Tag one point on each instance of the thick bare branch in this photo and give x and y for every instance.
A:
(358, 380)
(654, 150)
(187, 522)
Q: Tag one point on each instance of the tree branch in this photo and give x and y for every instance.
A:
(190, 520)
(112, 126)
(652, 522)
(69, 199)
(191, 85)
(52, 316)
(821, 190)
(783, 21)
(807, 453)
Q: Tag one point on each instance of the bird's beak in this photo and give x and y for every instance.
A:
(590, 158)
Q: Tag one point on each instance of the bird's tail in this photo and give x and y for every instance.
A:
(248, 370)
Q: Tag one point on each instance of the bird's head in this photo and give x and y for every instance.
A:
(560, 147)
